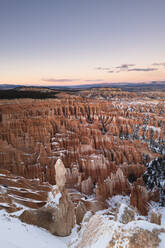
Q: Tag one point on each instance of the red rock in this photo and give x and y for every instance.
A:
(139, 198)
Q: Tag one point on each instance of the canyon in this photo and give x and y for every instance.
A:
(110, 141)
(105, 138)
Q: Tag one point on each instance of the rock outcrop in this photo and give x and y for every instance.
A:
(58, 218)
(124, 213)
(60, 174)
(58, 215)
(139, 198)
(116, 184)
(80, 212)
(155, 218)
(102, 232)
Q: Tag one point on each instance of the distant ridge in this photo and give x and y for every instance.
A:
(9, 86)
(86, 86)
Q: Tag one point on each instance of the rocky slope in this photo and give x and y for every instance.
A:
(104, 143)
(125, 230)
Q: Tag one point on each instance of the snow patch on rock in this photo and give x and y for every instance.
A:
(54, 196)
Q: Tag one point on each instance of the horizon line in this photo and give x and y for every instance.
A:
(83, 84)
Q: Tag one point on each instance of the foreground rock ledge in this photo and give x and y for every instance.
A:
(101, 232)
(58, 215)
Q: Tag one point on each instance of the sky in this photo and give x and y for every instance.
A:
(68, 42)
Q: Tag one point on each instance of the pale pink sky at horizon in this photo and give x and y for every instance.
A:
(81, 42)
(101, 76)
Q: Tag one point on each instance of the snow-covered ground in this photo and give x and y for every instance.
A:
(102, 229)
(15, 234)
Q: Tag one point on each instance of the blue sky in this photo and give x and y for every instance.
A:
(81, 41)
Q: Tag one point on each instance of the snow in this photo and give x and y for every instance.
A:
(106, 225)
(4, 204)
(121, 212)
(55, 143)
(146, 225)
(102, 231)
(2, 175)
(162, 242)
(153, 128)
(114, 200)
(23, 198)
(54, 200)
(57, 198)
(15, 234)
(2, 189)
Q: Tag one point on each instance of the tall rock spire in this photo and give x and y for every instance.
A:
(60, 174)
